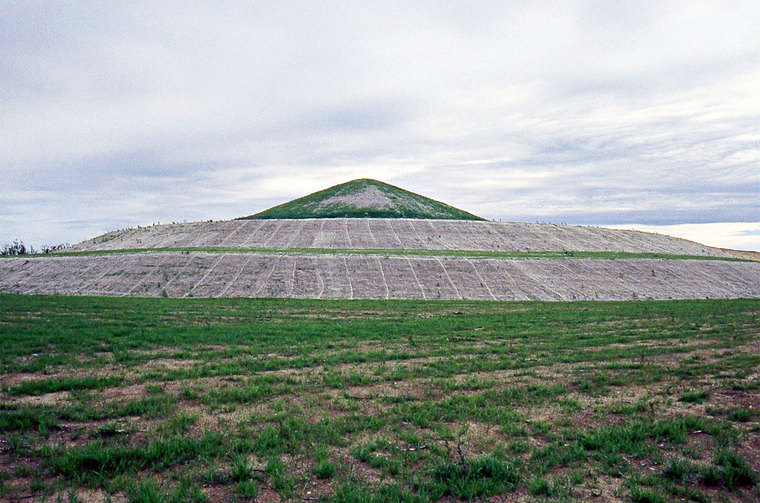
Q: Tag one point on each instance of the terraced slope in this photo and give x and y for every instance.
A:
(364, 198)
(194, 274)
(395, 234)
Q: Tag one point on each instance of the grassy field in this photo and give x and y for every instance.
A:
(152, 400)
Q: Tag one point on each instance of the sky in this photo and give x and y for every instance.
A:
(624, 114)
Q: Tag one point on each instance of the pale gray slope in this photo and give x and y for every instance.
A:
(356, 276)
(369, 233)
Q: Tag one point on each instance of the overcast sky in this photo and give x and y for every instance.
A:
(114, 114)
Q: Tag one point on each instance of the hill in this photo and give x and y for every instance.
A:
(364, 198)
(318, 253)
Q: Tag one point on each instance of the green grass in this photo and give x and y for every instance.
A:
(483, 476)
(695, 396)
(44, 386)
(231, 399)
(403, 252)
(404, 204)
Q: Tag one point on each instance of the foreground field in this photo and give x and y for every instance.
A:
(149, 400)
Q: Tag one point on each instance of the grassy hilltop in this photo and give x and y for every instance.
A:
(364, 198)
(164, 400)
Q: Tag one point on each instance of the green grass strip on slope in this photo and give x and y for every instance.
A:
(402, 252)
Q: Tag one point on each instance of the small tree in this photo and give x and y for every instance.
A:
(16, 248)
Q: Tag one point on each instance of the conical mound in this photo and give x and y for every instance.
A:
(364, 198)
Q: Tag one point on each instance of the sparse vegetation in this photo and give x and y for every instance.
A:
(54, 248)
(232, 399)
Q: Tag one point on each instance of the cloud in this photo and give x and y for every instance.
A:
(120, 114)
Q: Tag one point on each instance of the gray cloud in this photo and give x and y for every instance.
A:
(117, 114)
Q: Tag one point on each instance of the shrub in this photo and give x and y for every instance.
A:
(16, 248)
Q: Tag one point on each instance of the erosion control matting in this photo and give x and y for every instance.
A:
(199, 274)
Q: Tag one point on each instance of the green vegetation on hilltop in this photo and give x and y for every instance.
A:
(200, 400)
(364, 198)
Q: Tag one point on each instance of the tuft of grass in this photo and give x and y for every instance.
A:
(282, 481)
(241, 469)
(742, 415)
(479, 477)
(247, 490)
(323, 468)
(679, 470)
(150, 491)
(149, 407)
(145, 492)
(730, 470)
(646, 495)
(539, 487)
(696, 397)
